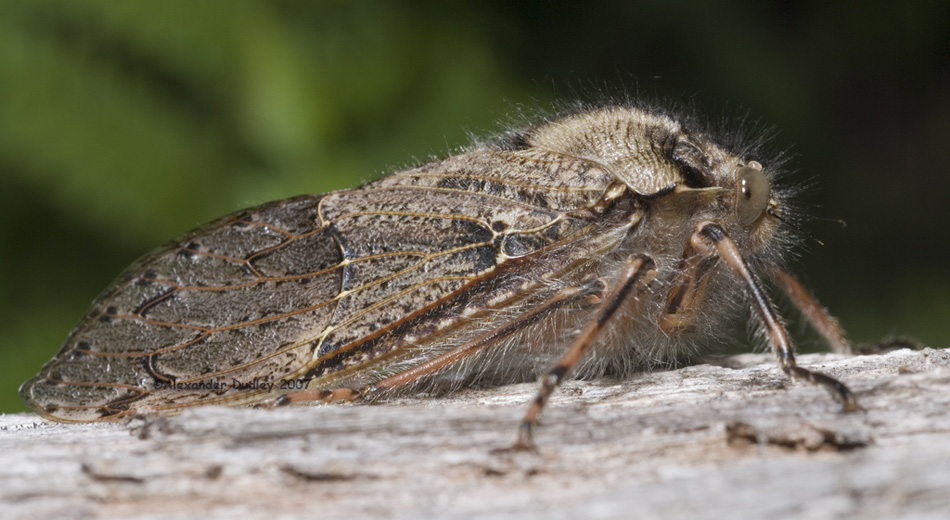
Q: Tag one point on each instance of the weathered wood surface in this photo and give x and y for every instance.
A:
(700, 442)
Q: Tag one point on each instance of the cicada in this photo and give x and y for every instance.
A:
(606, 241)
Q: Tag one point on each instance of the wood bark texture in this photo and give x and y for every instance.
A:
(705, 441)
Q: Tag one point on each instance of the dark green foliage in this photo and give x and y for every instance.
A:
(124, 124)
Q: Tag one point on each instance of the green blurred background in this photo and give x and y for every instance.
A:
(124, 124)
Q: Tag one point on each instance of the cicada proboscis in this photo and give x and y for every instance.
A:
(619, 230)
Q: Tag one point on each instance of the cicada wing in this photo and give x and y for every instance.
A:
(308, 287)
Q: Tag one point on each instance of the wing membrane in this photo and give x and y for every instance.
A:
(299, 286)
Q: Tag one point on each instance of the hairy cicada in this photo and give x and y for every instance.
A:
(620, 230)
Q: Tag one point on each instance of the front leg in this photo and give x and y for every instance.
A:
(709, 240)
(818, 316)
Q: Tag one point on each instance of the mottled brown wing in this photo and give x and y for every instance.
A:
(289, 289)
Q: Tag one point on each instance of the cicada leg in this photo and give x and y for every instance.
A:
(332, 395)
(593, 291)
(636, 275)
(710, 239)
(818, 316)
(686, 294)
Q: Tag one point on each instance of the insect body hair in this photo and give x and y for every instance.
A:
(634, 342)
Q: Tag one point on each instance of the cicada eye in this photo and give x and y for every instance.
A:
(752, 193)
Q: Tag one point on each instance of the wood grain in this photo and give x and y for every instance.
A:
(735, 441)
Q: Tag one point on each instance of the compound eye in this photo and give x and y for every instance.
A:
(752, 193)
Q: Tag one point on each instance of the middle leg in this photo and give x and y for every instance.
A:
(636, 275)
